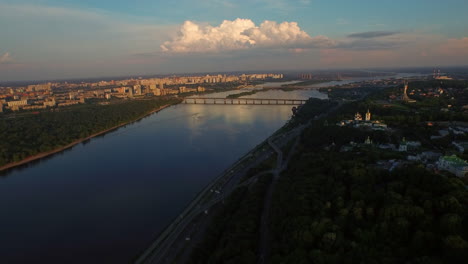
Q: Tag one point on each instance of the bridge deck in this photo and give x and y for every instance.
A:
(243, 101)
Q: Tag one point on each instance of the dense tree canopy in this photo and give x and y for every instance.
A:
(27, 135)
(339, 207)
(329, 208)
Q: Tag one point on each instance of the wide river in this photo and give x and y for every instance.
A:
(104, 201)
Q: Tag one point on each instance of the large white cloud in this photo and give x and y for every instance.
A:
(241, 34)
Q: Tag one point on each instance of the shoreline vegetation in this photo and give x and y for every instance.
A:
(306, 83)
(235, 96)
(45, 154)
(332, 205)
(284, 87)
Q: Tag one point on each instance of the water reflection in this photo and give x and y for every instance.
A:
(104, 201)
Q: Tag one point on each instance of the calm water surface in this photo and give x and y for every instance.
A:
(104, 201)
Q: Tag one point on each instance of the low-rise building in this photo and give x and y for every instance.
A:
(50, 103)
(454, 165)
(387, 146)
(413, 144)
(403, 146)
(430, 155)
(442, 133)
(18, 103)
(461, 146)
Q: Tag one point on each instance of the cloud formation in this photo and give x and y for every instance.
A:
(375, 40)
(241, 34)
(5, 58)
(372, 34)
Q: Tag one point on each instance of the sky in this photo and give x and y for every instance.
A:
(60, 39)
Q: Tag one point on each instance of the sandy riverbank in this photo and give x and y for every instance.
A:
(48, 153)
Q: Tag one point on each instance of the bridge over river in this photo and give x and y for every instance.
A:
(242, 101)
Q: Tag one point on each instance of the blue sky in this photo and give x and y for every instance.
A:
(87, 38)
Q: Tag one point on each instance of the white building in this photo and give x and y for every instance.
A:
(18, 103)
(454, 165)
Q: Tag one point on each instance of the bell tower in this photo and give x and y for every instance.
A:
(368, 115)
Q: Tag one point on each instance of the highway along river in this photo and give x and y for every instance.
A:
(106, 200)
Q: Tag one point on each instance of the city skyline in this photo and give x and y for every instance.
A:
(52, 39)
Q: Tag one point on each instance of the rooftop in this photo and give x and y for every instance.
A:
(455, 160)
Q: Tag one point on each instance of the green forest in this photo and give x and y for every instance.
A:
(234, 96)
(338, 207)
(232, 235)
(27, 135)
(330, 207)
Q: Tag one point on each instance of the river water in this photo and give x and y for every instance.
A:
(106, 200)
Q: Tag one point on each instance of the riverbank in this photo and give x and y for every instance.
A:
(72, 144)
(187, 224)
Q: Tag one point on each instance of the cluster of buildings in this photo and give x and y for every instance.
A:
(185, 80)
(433, 160)
(359, 122)
(437, 76)
(35, 97)
(412, 150)
(454, 165)
(41, 96)
(426, 92)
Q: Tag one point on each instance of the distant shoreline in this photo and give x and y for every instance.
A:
(48, 153)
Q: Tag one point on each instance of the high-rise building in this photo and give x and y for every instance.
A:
(137, 89)
(305, 76)
(130, 91)
(157, 92)
(39, 87)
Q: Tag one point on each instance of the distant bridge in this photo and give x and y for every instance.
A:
(242, 101)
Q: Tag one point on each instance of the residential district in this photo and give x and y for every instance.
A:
(59, 94)
(422, 119)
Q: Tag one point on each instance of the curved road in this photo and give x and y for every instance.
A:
(218, 190)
